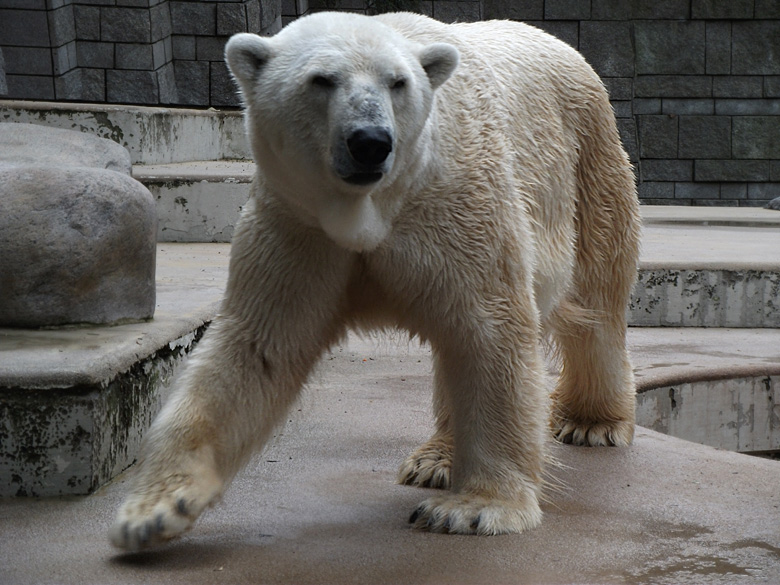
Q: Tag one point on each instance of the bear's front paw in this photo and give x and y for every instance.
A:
(613, 434)
(472, 514)
(429, 466)
(163, 510)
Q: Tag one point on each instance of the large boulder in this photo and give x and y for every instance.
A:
(34, 145)
(77, 233)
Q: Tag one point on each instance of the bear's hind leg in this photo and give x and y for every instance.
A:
(430, 465)
(594, 401)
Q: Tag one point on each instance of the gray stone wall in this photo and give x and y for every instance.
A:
(126, 51)
(3, 83)
(444, 10)
(695, 84)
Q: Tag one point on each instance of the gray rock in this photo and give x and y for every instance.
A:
(32, 144)
(77, 245)
(77, 232)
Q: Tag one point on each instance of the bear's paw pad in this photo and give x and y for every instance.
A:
(612, 434)
(470, 514)
(160, 512)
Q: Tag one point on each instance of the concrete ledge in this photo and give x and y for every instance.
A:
(706, 298)
(75, 401)
(709, 216)
(72, 440)
(734, 413)
(153, 135)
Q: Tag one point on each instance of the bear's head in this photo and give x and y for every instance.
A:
(338, 112)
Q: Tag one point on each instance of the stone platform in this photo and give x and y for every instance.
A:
(320, 505)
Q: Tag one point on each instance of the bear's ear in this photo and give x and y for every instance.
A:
(246, 54)
(439, 61)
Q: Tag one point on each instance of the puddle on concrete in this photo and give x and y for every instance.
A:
(677, 570)
(677, 560)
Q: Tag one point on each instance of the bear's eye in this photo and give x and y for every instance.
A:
(399, 83)
(324, 81)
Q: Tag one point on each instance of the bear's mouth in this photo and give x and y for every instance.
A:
(363, 178)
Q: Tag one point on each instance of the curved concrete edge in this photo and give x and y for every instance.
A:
(717, 387)
(715, 374)
(734, 413)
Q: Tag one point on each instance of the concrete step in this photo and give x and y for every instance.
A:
(152, 135)
(197, 201)
(708, 267)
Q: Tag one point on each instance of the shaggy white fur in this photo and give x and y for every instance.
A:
(464, 182)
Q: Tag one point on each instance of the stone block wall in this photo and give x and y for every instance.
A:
(706, 99)
(200, 30)
(126, 51)
(444, 10)
(695, 84)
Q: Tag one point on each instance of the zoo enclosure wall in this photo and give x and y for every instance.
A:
(695, 84)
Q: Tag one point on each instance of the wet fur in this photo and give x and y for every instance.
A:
(515, 215)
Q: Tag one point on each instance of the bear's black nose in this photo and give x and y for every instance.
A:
(370, 146)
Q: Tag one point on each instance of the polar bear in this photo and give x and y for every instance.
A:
(463, 182)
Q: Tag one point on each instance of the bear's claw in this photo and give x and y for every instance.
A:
(469, 514)
(429, 466)
(163, 510)
(134, 532)
(617, 434)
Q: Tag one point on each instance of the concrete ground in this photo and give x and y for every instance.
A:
(320, 505)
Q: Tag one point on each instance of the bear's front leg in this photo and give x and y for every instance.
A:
(282, 309)
(493, 380)
(199, 440)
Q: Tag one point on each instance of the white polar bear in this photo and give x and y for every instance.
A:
(464, 182)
